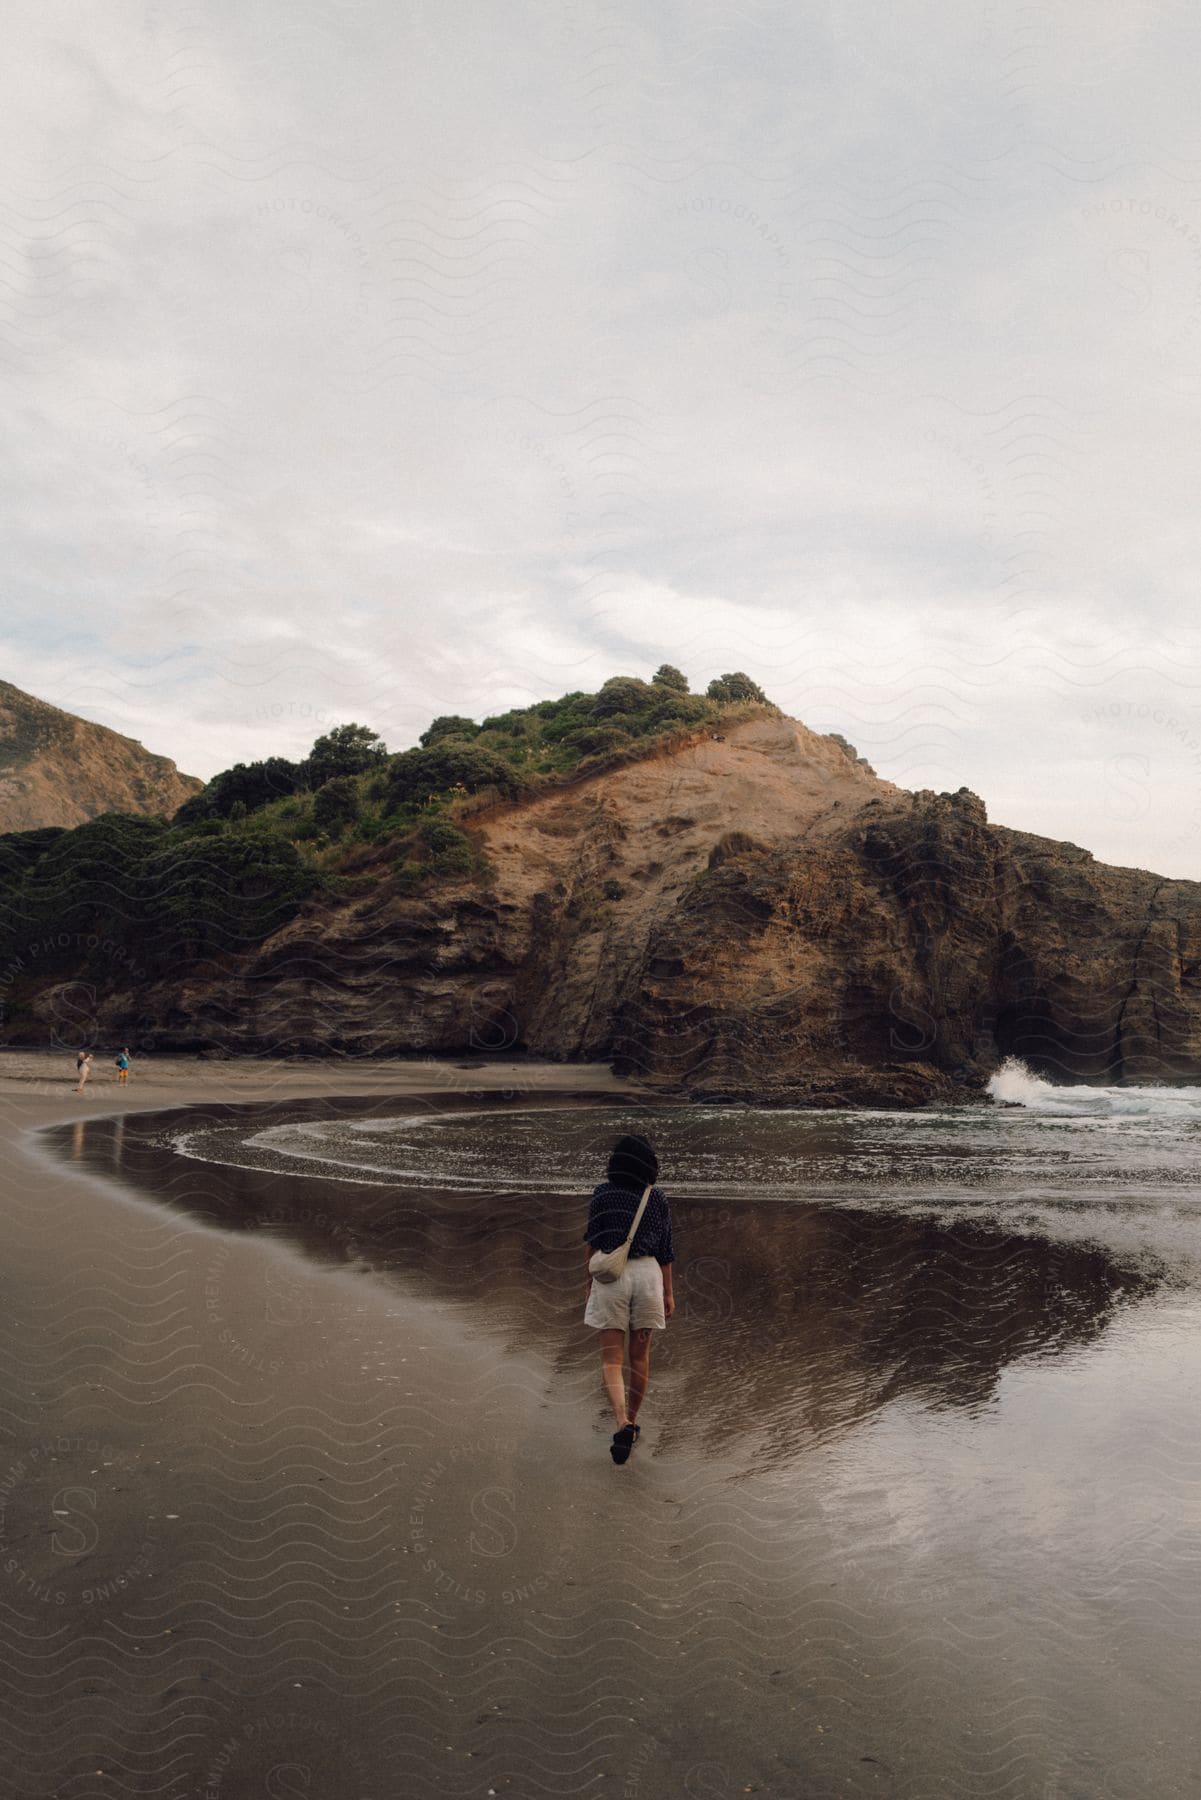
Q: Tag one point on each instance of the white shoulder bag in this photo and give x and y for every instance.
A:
(607, 1265)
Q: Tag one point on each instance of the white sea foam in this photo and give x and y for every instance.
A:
(1016, 1084)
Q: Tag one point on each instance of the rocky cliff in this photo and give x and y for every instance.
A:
(752, 915)
(56, 769)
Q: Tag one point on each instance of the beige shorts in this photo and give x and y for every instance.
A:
(634, 1302)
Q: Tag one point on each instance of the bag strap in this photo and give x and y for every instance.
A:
(633, 1233)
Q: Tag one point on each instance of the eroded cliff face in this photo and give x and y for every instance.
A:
(56, 769)
(553, 951)
(754, 916)
(911, 957)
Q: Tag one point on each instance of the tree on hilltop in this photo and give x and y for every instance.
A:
(737, 686)
(622, 694)
(448, 725)
(346, 750)
(668, 676)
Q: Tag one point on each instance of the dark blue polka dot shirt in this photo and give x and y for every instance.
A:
(611, 1214)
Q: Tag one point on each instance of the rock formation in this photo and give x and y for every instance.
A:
(758, 916)
(56, 769)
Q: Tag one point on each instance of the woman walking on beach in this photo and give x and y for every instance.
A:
(640, 1300)
(83, 1062)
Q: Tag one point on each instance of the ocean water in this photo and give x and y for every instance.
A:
(1115, 1166)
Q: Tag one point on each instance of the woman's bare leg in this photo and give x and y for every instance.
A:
(640, 1370)
(613, 1345)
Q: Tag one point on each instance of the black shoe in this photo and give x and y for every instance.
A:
(623, 1443)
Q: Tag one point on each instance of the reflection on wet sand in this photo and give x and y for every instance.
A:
(796, 1321)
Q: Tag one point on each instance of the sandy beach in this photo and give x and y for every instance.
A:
(280, 1522)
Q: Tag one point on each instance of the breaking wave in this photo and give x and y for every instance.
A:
(1016, 1084)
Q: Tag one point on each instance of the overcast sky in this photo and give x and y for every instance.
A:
(367, 361)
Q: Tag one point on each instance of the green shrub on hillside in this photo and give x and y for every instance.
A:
(92, 880)
(597, 740)
(19, 850)
(558, 726)
(575, 702)
(249, 785)
(414, 775)
(213, 895)
(516, 723)
(450, 851)
(336, 804)
(682, 709)
(436, 850)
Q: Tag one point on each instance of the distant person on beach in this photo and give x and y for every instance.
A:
(123, 1067)
(640, 1300)
(83, 1064)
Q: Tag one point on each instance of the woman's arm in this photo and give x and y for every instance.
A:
(593, 1222)
(667, 1255)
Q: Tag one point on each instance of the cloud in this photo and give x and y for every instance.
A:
(362, 366)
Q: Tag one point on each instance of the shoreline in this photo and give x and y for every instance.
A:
(164, 1078)
(179, 1077)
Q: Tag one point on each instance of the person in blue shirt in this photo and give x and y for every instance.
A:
(640, 1301)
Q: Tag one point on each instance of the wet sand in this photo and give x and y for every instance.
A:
(304, 1490)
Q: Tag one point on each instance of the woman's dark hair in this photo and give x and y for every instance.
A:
(633, 1164)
